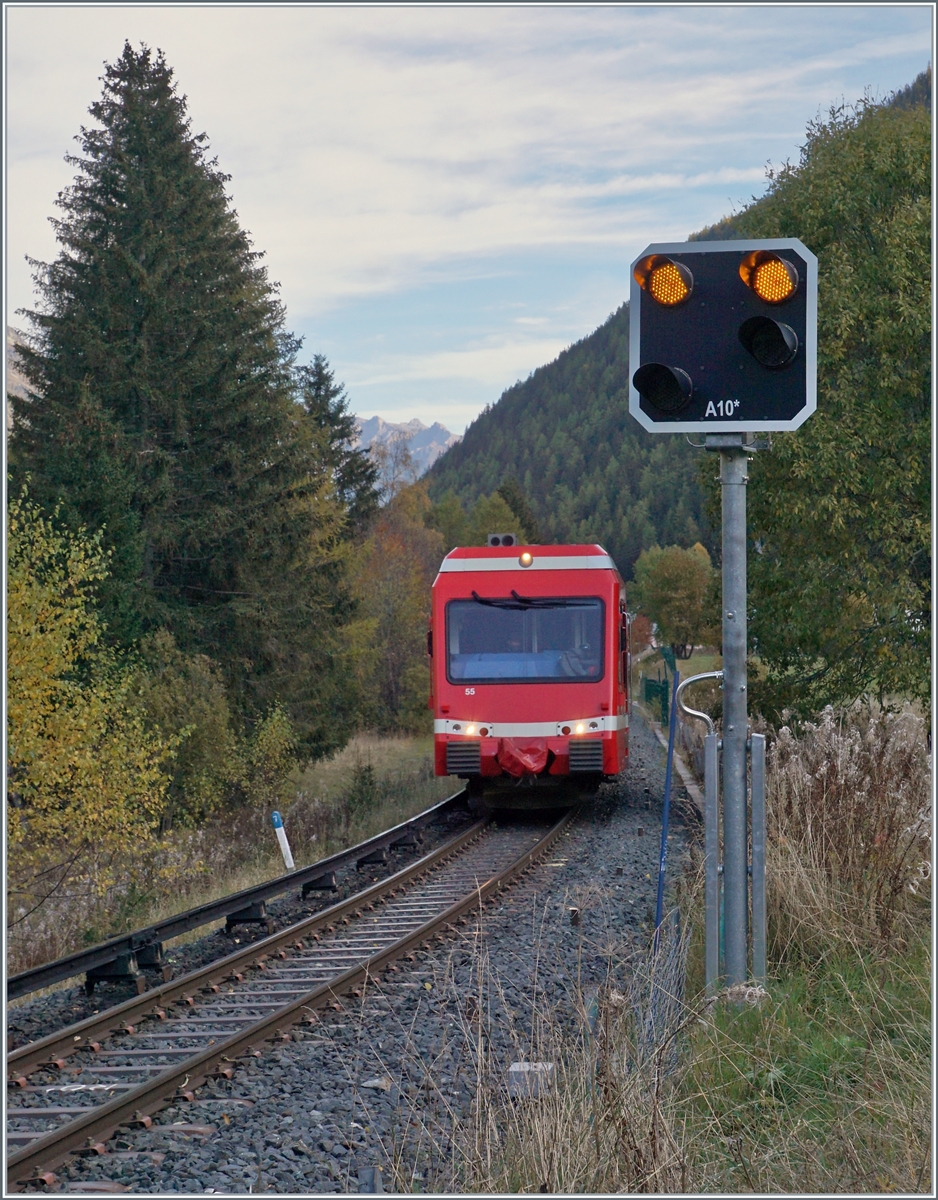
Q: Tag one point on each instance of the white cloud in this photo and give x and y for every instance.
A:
(374, 150)
(370, 140)
(488, 365)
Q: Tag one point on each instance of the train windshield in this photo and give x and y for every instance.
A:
(518, 639)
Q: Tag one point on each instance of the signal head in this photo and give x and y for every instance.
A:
(771, 343)
(668, 389)
(772, 278)
(668, 282)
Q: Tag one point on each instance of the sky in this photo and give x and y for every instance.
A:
(450, 196)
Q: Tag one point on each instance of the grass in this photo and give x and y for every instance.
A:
(373, 783)
(821, 1085)
(824, 1086)
(704, 658)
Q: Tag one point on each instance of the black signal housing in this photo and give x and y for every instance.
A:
(733, 344)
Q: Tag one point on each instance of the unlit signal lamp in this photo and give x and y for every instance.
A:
(669, 389)
(771, 343)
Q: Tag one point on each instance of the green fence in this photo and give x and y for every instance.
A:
(657, 696)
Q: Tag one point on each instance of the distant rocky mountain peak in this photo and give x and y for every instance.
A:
(425, 442)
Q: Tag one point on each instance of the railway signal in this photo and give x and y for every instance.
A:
(723, 336)
(723, 341)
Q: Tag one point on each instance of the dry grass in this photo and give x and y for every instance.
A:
(849, 852)
(822, 1086)
(370, 785)
(609, 1121)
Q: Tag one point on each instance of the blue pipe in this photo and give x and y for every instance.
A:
(662, 861)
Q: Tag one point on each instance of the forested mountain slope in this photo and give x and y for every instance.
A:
(587, 468)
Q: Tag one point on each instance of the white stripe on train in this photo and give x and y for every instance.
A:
(459, 726)
(544, 562)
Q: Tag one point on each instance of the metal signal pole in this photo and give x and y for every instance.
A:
(733, 479)
(723, 338)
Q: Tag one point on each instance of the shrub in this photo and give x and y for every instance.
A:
(86, 779)
(271, 756)
(184, 696)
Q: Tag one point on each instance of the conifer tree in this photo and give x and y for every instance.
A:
(514, 497)
(162, 409)
(335, 432)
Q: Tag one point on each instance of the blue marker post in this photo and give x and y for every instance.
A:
(662, 861)
(281, 833)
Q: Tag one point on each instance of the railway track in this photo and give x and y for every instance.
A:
(124, 1064)
(122, 957)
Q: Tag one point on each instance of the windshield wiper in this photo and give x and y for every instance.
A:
(521, 603)
(496, 602)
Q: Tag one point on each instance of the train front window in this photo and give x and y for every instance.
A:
(518, 639)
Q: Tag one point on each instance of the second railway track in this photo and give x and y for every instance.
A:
(126, 1063)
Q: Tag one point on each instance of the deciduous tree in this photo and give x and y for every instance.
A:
(674, 589)
(395, 569)
(84, 777)
(839, 511)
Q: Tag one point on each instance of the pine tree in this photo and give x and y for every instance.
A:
(162, 409)
(514, 497)
(335, 432)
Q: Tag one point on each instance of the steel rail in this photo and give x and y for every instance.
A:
(103, 953)
(176, 1082)
(48, 1051)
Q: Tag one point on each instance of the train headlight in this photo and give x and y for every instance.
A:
(580, 727)
(470, 729)
(526, 559)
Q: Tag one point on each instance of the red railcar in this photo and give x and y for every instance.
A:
(530, 670)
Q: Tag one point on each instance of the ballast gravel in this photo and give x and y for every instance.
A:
(383, 1080)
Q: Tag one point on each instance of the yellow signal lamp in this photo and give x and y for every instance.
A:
(526, 558)
(772, 278)
(669, 283)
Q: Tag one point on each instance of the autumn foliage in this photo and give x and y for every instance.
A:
(86, 777)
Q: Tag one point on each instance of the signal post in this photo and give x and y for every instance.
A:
(723, 342)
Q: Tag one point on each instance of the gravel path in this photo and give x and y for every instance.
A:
(379, 1081)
